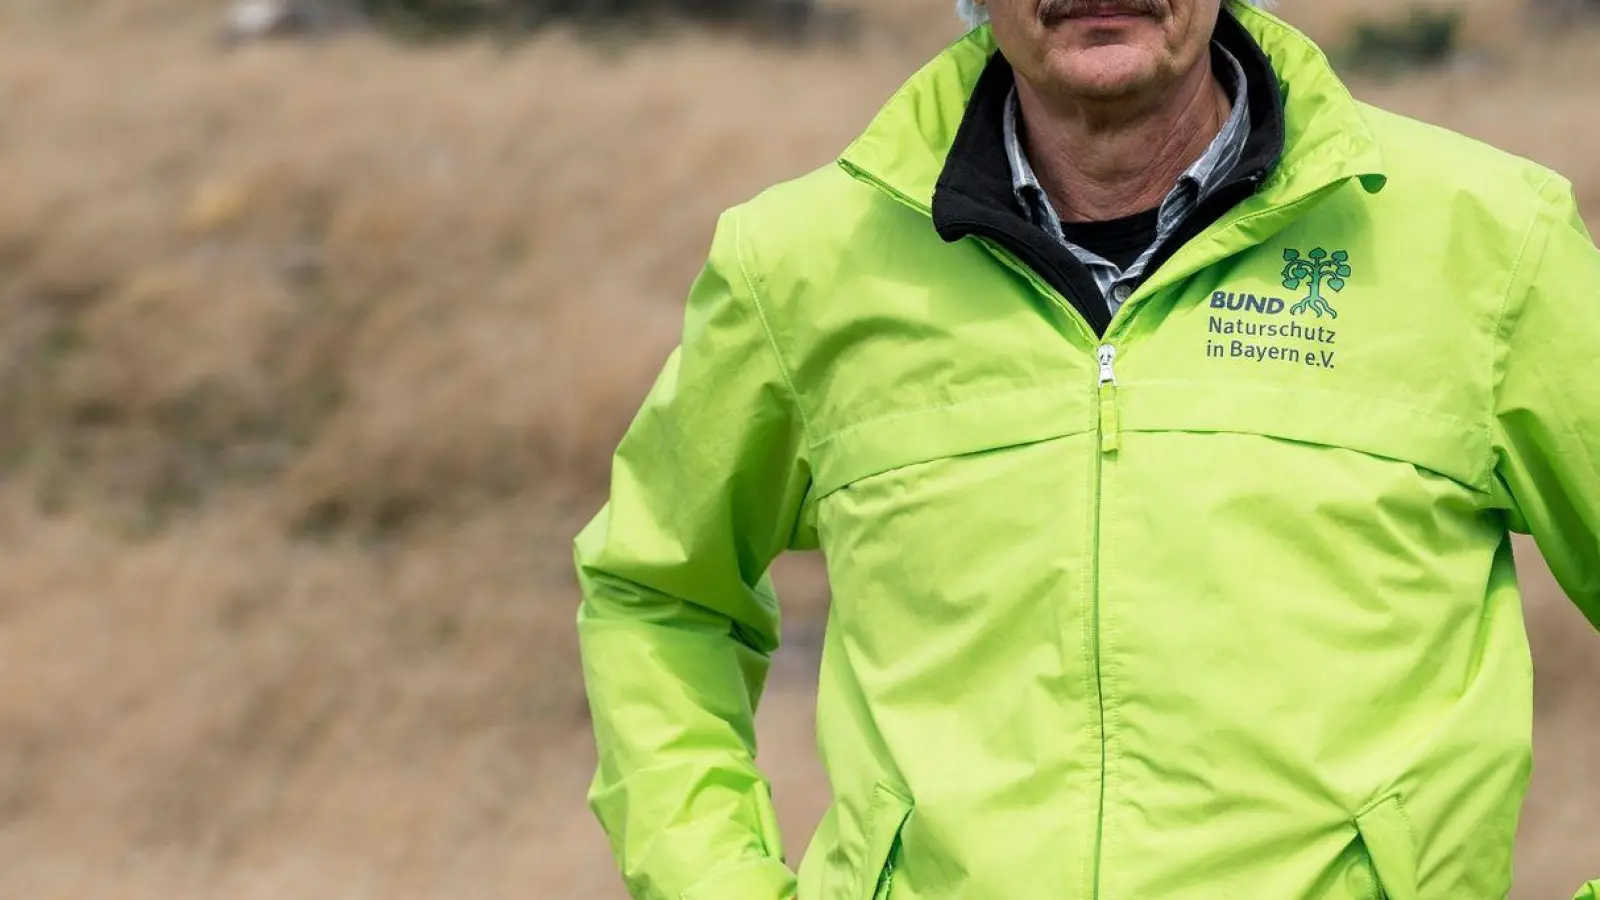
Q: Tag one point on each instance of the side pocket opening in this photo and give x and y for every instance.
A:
(1386, 833)
(886, 818)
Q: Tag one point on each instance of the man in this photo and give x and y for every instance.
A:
(1163, 414)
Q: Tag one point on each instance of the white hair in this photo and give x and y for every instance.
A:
(974, 14)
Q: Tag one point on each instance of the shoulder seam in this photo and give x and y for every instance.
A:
(1500, 336)
(766, 325)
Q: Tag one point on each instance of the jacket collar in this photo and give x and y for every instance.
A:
(1309, 132)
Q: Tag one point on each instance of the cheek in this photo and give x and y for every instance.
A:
(1193, 26)
(1014, 15)
(1190, 47)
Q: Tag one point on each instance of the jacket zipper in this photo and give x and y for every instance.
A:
(1106, 390)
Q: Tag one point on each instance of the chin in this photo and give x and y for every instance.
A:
(1107, 79)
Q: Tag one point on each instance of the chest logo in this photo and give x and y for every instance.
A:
(1317, 271)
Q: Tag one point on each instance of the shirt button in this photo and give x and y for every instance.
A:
(1121, 293)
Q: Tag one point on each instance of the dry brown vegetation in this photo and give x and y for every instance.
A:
(310, 359)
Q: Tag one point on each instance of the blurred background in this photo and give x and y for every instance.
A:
(318, 321)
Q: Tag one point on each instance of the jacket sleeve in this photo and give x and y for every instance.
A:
(679, 619)
(1547, 416)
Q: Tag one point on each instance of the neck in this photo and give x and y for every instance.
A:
(1101, 160)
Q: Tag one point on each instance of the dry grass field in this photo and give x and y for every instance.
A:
(311, 355)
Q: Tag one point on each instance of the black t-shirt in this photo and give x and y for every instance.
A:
(1118, 241)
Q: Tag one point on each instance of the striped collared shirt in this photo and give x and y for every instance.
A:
(1196, 185)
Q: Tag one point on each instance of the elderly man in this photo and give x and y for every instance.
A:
(1163, 414)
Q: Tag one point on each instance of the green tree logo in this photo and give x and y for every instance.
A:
(1317, 270)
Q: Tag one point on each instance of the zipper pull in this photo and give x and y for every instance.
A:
(1108, 399)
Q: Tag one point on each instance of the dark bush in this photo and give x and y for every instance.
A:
(426, 19)
(447, 16)
(1424, 36)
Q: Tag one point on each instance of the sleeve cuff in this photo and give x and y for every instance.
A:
(761, 879)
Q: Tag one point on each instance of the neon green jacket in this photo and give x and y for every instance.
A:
(1220, 605)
